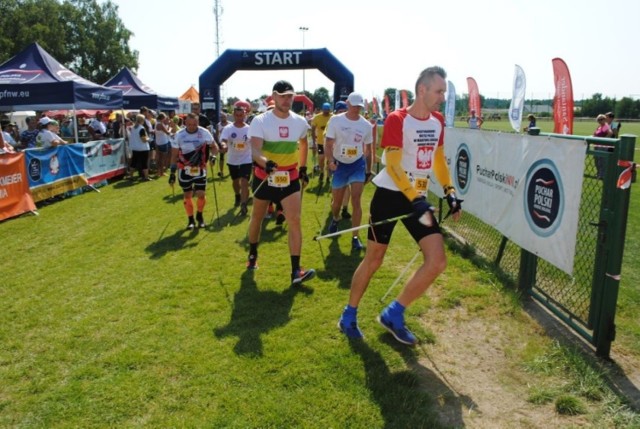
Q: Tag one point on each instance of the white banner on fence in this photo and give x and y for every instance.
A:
(527, 187)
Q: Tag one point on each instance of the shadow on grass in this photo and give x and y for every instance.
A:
(270, 232)
(413, 398)
(257, 312)
(337, 263)
(180, 240)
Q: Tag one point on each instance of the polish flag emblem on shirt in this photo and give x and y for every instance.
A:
(424, 157)
(284, 132)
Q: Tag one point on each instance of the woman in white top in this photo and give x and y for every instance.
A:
(48, 136)
(139, 144)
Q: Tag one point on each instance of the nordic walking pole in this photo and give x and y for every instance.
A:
(357, 228)
(402, 273)
(215, 193)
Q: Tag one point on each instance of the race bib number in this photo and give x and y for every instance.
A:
(192, 171)
(279, 179)
(349, 151)
(240, 146)
(420, 183)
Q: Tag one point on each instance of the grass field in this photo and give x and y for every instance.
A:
(112, 315)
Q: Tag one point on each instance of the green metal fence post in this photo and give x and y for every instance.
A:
(527, 273)
(604, 326)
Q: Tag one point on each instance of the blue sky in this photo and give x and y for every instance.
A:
(386, 44)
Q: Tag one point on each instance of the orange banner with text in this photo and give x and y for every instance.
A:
(15, 197)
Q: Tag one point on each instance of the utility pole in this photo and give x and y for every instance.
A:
(304, 30)
(217, 13)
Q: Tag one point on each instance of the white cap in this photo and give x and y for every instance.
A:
(355, 99)
(44, 120)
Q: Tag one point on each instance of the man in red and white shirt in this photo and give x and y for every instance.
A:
(413, 146)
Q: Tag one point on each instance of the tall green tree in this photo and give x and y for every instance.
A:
(86, 36)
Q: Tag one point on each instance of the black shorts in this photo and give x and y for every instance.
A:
(164, 148)
(192, 183)
(140, 159)
(320, 149)
(271, 193)
(240, 171)
(387, 204)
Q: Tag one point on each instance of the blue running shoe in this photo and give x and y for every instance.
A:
(333, 226)
(349, 327)
(398, 330)
(356, 244)
(301, 275)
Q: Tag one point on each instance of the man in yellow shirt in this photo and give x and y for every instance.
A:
(318, 125)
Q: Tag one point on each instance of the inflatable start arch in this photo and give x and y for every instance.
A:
(233, 60)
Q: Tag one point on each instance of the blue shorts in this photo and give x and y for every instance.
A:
(346, 174)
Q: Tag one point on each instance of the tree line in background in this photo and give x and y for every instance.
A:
(86, 36)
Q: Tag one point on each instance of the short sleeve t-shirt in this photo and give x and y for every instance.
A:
(237, 140)
(350, 137)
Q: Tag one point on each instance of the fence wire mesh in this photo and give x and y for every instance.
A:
(569, 294)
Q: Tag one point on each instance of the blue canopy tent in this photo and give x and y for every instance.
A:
(137, 94)
(34, 80)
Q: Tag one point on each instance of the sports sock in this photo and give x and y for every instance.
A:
(253, 249)
(295, 263)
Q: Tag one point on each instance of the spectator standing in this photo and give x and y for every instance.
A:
(163, 140)
(532, 122)
(475, 122)
(603, 130)
(139, 144)
(224, 121)
(615, 126)
(28, 136)
(98, 126)
(48, 135)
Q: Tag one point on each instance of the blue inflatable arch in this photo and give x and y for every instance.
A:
(233, 60)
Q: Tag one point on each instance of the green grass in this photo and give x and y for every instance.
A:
(111, 314)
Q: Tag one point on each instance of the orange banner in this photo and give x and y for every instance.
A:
(563, 99)
(474, 97)
(387, 108)
(15, 197)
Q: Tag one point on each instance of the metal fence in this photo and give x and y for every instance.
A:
(587, 300)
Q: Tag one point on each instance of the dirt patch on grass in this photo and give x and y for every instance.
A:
(474, 357)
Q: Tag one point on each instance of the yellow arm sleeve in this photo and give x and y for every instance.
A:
(441, 170)
(394, 168)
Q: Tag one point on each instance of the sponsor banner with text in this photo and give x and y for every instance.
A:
(527, 187)
(104, 159)
(56, 170)
(15, 197)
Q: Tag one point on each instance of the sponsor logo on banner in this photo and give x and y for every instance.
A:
(543, 198)
(35, 169)
(462, 174)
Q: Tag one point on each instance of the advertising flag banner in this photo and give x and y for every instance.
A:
(517, 99)
(15, 197)
(374, 105)
(56, 170)
(396, 105)
(405, 98)
(474, 96)
(450, 107)
(527, 187)
(104, 159)
(563, 98)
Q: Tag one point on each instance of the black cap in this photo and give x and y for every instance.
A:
(283, 87)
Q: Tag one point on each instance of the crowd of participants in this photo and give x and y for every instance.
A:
(266, 155)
